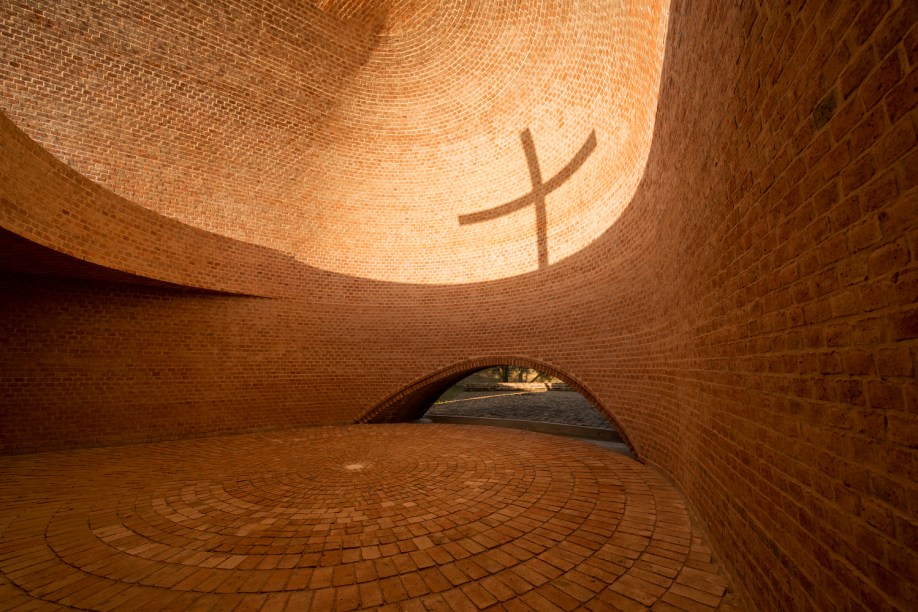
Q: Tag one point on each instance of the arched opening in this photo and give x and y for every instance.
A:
(418, 398)
(519, 397)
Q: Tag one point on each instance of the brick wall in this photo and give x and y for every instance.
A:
(795, 300)
(254, 112)
(749, 319)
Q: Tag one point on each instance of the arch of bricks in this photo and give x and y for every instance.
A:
(249, 221)
(412, 401)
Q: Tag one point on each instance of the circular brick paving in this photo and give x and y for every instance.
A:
(420, 517)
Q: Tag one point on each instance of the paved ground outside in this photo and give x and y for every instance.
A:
(564, 407)
(396, 517)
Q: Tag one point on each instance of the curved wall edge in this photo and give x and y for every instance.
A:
(45, 202)
(751, 319)
(413, 400)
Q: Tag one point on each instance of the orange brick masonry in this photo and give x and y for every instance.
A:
(244, 216)
(398, 517)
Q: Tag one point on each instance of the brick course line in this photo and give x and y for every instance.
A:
(213, 519)
(742, 300)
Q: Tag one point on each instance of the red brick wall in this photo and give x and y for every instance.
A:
(750, 319)
(791, 286)
(353, 137)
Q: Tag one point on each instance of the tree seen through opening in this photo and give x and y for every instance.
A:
(523, 398)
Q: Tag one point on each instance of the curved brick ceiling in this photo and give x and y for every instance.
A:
(352, 135)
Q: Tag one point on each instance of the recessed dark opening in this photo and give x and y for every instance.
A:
(524, 398)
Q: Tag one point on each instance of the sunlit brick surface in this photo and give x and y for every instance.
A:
(351, 135)
(749, 321)
(413, 516)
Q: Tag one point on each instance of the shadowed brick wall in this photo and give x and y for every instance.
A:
(749, 319)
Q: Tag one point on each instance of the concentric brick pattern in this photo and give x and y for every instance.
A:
(749, 321)
(422, 517)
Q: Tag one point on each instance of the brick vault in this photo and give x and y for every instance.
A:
(243, 216)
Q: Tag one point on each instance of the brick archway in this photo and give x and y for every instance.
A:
(412, 401)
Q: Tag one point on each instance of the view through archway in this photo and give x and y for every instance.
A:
(524, 398)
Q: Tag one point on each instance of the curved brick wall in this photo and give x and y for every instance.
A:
(748, 317)
(350, 135)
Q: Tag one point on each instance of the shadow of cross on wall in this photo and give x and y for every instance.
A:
(540, 189)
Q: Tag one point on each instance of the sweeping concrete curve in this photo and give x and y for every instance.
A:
(747, 310)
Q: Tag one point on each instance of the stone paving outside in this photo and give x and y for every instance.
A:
(564, 407)
(394, 517)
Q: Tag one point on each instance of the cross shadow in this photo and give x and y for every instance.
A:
(540, 190)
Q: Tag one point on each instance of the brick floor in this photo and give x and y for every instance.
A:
(564, 407)
(343, 518)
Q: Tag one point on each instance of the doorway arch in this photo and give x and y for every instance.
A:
(412, 401)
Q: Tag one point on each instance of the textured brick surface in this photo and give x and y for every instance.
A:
(347, 518)
(292, 124)
(747, 317)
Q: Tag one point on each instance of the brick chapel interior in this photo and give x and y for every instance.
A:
(249, 216)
